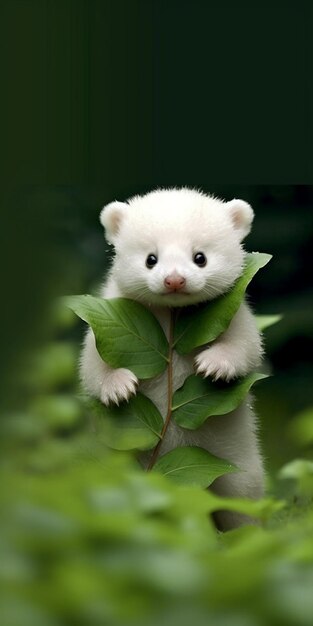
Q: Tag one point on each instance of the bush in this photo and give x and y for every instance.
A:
(87, 537)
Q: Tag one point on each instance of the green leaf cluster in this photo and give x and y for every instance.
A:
(99, 541)
(128, 335)
(87, 537)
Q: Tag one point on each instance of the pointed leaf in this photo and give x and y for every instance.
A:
(192, 466)
(265, 321)
(262, 509)
(127, 334)
(200, 398)
(198, 325)
(133, 425)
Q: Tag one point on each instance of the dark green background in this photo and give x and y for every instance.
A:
(133, 93)
(104, 99)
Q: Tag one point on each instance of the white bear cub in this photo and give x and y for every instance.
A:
(176, 247)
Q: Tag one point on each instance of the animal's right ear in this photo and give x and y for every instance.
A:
(111, 217)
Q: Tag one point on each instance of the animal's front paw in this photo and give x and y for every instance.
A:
(216, 362)
(118, 385)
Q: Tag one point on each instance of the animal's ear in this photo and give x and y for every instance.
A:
(111, 217)
(242, 216)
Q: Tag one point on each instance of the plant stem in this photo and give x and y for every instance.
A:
(157, 448)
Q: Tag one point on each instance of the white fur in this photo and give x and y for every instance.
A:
(175, 224)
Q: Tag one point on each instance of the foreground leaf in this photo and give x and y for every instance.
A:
(127, 334)
(262, 509)
(209, 502)
(200, 398)
(133, 425)
(198, 325)
(192, 466)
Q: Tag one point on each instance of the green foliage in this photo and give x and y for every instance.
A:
(265, 321)
(52, 365)
(98, 541)
(135, 425)
(127, 334)
(202, 324)
(87, 537)
(192, 466)
(301, 472)
(301, 428)
(200, 398)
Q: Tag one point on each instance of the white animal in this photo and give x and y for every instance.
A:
(175, 247)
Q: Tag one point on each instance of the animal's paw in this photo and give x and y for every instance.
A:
(217, 363)
(118, 385)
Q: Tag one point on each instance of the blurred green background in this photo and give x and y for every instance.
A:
(100, 100)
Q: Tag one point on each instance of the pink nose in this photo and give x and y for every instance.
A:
(174, 282)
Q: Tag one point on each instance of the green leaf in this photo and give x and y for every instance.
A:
(300, 429)
(301, 471)
(192, 466)
(265, 321)
(262, 509)
(127, 334)
(200, 398)
(198, 325)
(297, 469)
(133, 425)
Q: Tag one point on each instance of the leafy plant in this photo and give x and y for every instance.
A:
(88, 538)
(207, 322)
(128, 335)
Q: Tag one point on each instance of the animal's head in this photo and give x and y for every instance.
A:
(176, 247)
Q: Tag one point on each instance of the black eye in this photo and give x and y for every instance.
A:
(151, 261)
(199, 259)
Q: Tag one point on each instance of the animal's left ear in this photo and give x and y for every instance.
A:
(242, 216)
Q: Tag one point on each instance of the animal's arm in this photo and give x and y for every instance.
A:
(236, 352)
(101, 380)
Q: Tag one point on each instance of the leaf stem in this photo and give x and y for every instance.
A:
(167, 420)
